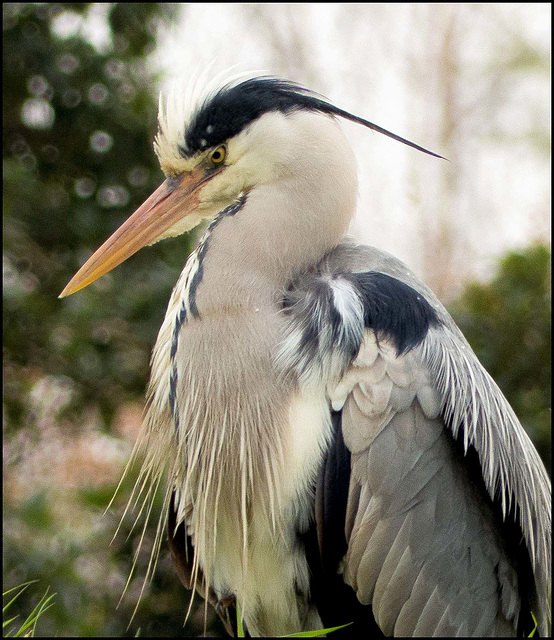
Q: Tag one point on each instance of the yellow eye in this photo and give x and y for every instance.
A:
(218, 155)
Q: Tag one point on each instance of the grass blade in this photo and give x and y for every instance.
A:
(531, 635)
(316, 632)
(31, 621)
(19, 586)
(240, 628)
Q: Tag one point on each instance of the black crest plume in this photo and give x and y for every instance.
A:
(233, 108)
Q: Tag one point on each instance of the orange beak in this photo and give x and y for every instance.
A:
(172, 200)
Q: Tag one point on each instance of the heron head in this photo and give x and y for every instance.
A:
(219, 145)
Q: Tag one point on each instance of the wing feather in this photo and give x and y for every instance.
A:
(419, 516)
(447, 519)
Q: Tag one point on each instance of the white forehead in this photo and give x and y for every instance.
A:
(177, 107)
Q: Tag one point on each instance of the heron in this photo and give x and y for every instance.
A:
(329, 448)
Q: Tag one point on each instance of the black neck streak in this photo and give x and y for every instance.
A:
(194, 277)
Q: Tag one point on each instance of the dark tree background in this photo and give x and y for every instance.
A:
(78, 128)
(79, 121)
(508, 324)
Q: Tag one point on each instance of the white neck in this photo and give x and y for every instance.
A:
(287, 223)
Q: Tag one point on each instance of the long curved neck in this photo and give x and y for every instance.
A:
(280, 229)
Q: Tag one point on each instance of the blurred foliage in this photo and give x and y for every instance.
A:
(79, 120)
(508, 324)
(73, 172)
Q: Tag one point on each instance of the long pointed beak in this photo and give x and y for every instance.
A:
(172, 200)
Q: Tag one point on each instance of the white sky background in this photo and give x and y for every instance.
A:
(469, 81)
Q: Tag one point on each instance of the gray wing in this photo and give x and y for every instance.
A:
(423, 545)
(447, 520)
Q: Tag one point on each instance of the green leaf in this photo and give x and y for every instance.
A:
(301, 634)
(535, 621)
(240, 628)
(7, 622)
(19, 586)
(316, 632)
(35, 614)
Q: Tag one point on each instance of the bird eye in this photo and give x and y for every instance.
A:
(218, 155)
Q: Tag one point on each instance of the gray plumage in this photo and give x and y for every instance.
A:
(423, 548)
(332, 449)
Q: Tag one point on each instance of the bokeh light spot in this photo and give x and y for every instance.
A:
(98, 93)
(138, 176)
(113, 196)
(101, 142)
(37, 85)
(84, 187)
(37, 113)
(67, 63)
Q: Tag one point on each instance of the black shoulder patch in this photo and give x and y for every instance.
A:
(327, 331)
(393, 309)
